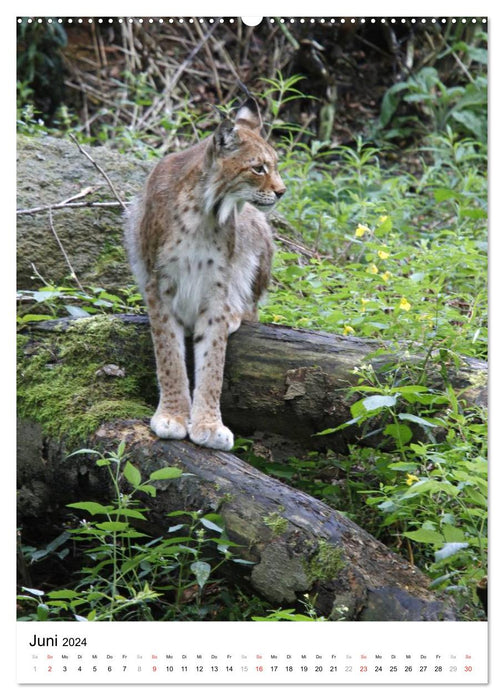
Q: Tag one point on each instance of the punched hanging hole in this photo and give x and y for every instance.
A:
(251, 21)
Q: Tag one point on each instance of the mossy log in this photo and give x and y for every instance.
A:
(296, 544)
(277, 380)
(92, 382)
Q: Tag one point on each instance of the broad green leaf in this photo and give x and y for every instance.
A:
(441, 194)
(401, 433)
(44, 296)
(42, 612)
(453, 534)
(63, 593)
(211, 525)
(371, 403)
(132, 474)
(425, 536)
(31, 318)
(147, 488)
(416, 419)
(76, 311)
(91, 507)
(166, 473)
(412, 388)
(128, 513)
(33, 591)
(112, 526)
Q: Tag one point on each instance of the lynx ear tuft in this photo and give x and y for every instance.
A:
(248, 114)
(225, 136)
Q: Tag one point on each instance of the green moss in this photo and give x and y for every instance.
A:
(60, 386)
(276, 523)
(326, 563)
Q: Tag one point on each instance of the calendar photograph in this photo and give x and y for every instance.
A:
(252, 347)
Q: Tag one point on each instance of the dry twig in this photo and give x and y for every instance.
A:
(100, 170)
(67, 259)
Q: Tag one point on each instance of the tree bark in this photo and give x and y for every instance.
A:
(298, 544)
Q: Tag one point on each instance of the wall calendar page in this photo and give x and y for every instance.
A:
(252, 367)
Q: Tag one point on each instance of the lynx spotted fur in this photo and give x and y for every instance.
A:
(200, 247)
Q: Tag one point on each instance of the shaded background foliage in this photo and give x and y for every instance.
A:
(139, 75)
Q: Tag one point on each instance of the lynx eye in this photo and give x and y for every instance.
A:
(259, 169)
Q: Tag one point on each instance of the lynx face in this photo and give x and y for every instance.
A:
(245, 166)
(201, 248)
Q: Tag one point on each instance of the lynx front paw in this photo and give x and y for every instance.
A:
(169, 427)
(214, 435)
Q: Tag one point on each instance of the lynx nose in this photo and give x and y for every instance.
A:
(280, 193)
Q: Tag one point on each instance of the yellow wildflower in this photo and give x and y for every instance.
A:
(372, 268)
(363, 304)
(383, 255)
(361, 230)
(348, 330)
(404, 304)
(383, 218)
(386, 276)
(410, 479)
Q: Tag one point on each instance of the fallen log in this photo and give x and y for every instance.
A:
(277, 380)
(298, 544)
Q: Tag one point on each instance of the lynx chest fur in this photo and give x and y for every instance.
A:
(200, 246)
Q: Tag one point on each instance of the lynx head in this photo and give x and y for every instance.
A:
(243, 166)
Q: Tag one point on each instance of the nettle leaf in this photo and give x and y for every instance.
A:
(147, 488)
(42, 296)
(201, 570)
(91, 507)
(401, 433)
(377, 402)
(166, 473)
(63, 593)
(425, 536)
(449, 550)
(33, 591)
(416, 419)
(76, 311)
(453, 534)
(112, 526)
(128, 513)
(212, 523)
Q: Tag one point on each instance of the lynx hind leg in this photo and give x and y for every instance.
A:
(171, 419)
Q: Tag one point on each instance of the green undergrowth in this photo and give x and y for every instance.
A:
(394, 256)
(115, 571)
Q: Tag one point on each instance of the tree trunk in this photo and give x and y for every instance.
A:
(277, 380)
(298, 544)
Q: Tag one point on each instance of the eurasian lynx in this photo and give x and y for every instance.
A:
(200, 247)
